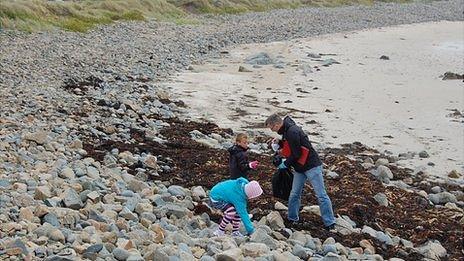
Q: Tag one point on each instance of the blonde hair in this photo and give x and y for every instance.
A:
(240, 137)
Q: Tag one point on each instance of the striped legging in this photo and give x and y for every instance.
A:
(230, 216)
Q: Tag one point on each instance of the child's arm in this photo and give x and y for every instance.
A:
(243, 213)
(243, 163)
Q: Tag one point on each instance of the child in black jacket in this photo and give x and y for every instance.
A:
(238, 158)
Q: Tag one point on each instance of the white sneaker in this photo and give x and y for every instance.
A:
(219, 233)
(237, 234)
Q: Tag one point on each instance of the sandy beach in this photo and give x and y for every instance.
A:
(346, 92)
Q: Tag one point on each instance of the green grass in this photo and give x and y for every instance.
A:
(82, 15)
(79, 15)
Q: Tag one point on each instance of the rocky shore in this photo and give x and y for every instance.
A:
(97, 161)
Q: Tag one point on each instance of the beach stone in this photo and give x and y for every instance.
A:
(332, 175)
(94, 248)
(56, 235)
(433, 250)
(52, 219)
(232, 254)
(137, 185)
(369, 230)
(381, 199)
(175, 210)
(442, 198)
(121, 254)
(330, 256)
(302, 252)
(343, 226)
(384, 57)
(436, 189)
(40, 211)
(384, 173)
(454, 174)
(254, 249)
(284, 256)
(313, 209)
(260, 236)
(39, 137)
(26, 214)
(20, 187)
(94, 196)
(67, 173)
(93, 172)
(275, 220)
(299, 237)
(367, 165)
(176, 190)
(128, 157)
(243, 69)
(42, 193)
(143, 207)
(280, 206)
(151, 161)
(384, 238)
(330, 61)
(199, 192)
(329, 248)
(367, 245)
(381, 162)
(131, 202)
(314, 55)
(72, 200)
(135, 256)
(424, 154)
(4, 183)
(341, 249)
(260, 58)
(127, 214)
(23, 200)
(16, 247)
(406, 243)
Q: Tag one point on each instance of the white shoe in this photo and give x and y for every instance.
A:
(219, 233)
(237, 234)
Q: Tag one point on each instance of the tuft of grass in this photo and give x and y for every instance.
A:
(82, 15)
(79, 15)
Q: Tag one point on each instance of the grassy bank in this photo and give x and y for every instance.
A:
(82, 15)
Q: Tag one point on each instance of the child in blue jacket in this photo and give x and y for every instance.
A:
(231, 196)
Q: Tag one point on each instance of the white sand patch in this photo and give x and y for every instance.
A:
(399, 105)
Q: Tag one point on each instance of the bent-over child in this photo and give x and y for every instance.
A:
(231, 197)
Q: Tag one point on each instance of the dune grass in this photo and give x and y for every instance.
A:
(82, 15)
(31, 15)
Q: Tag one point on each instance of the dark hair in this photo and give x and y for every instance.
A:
(273, 120)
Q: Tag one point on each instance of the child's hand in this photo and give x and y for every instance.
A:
(253, 164)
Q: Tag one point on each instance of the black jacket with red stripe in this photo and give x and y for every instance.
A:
(296, 138)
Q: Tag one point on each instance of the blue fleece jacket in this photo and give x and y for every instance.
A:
(233, 192)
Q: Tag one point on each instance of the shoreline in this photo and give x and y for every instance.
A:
(399, 106)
